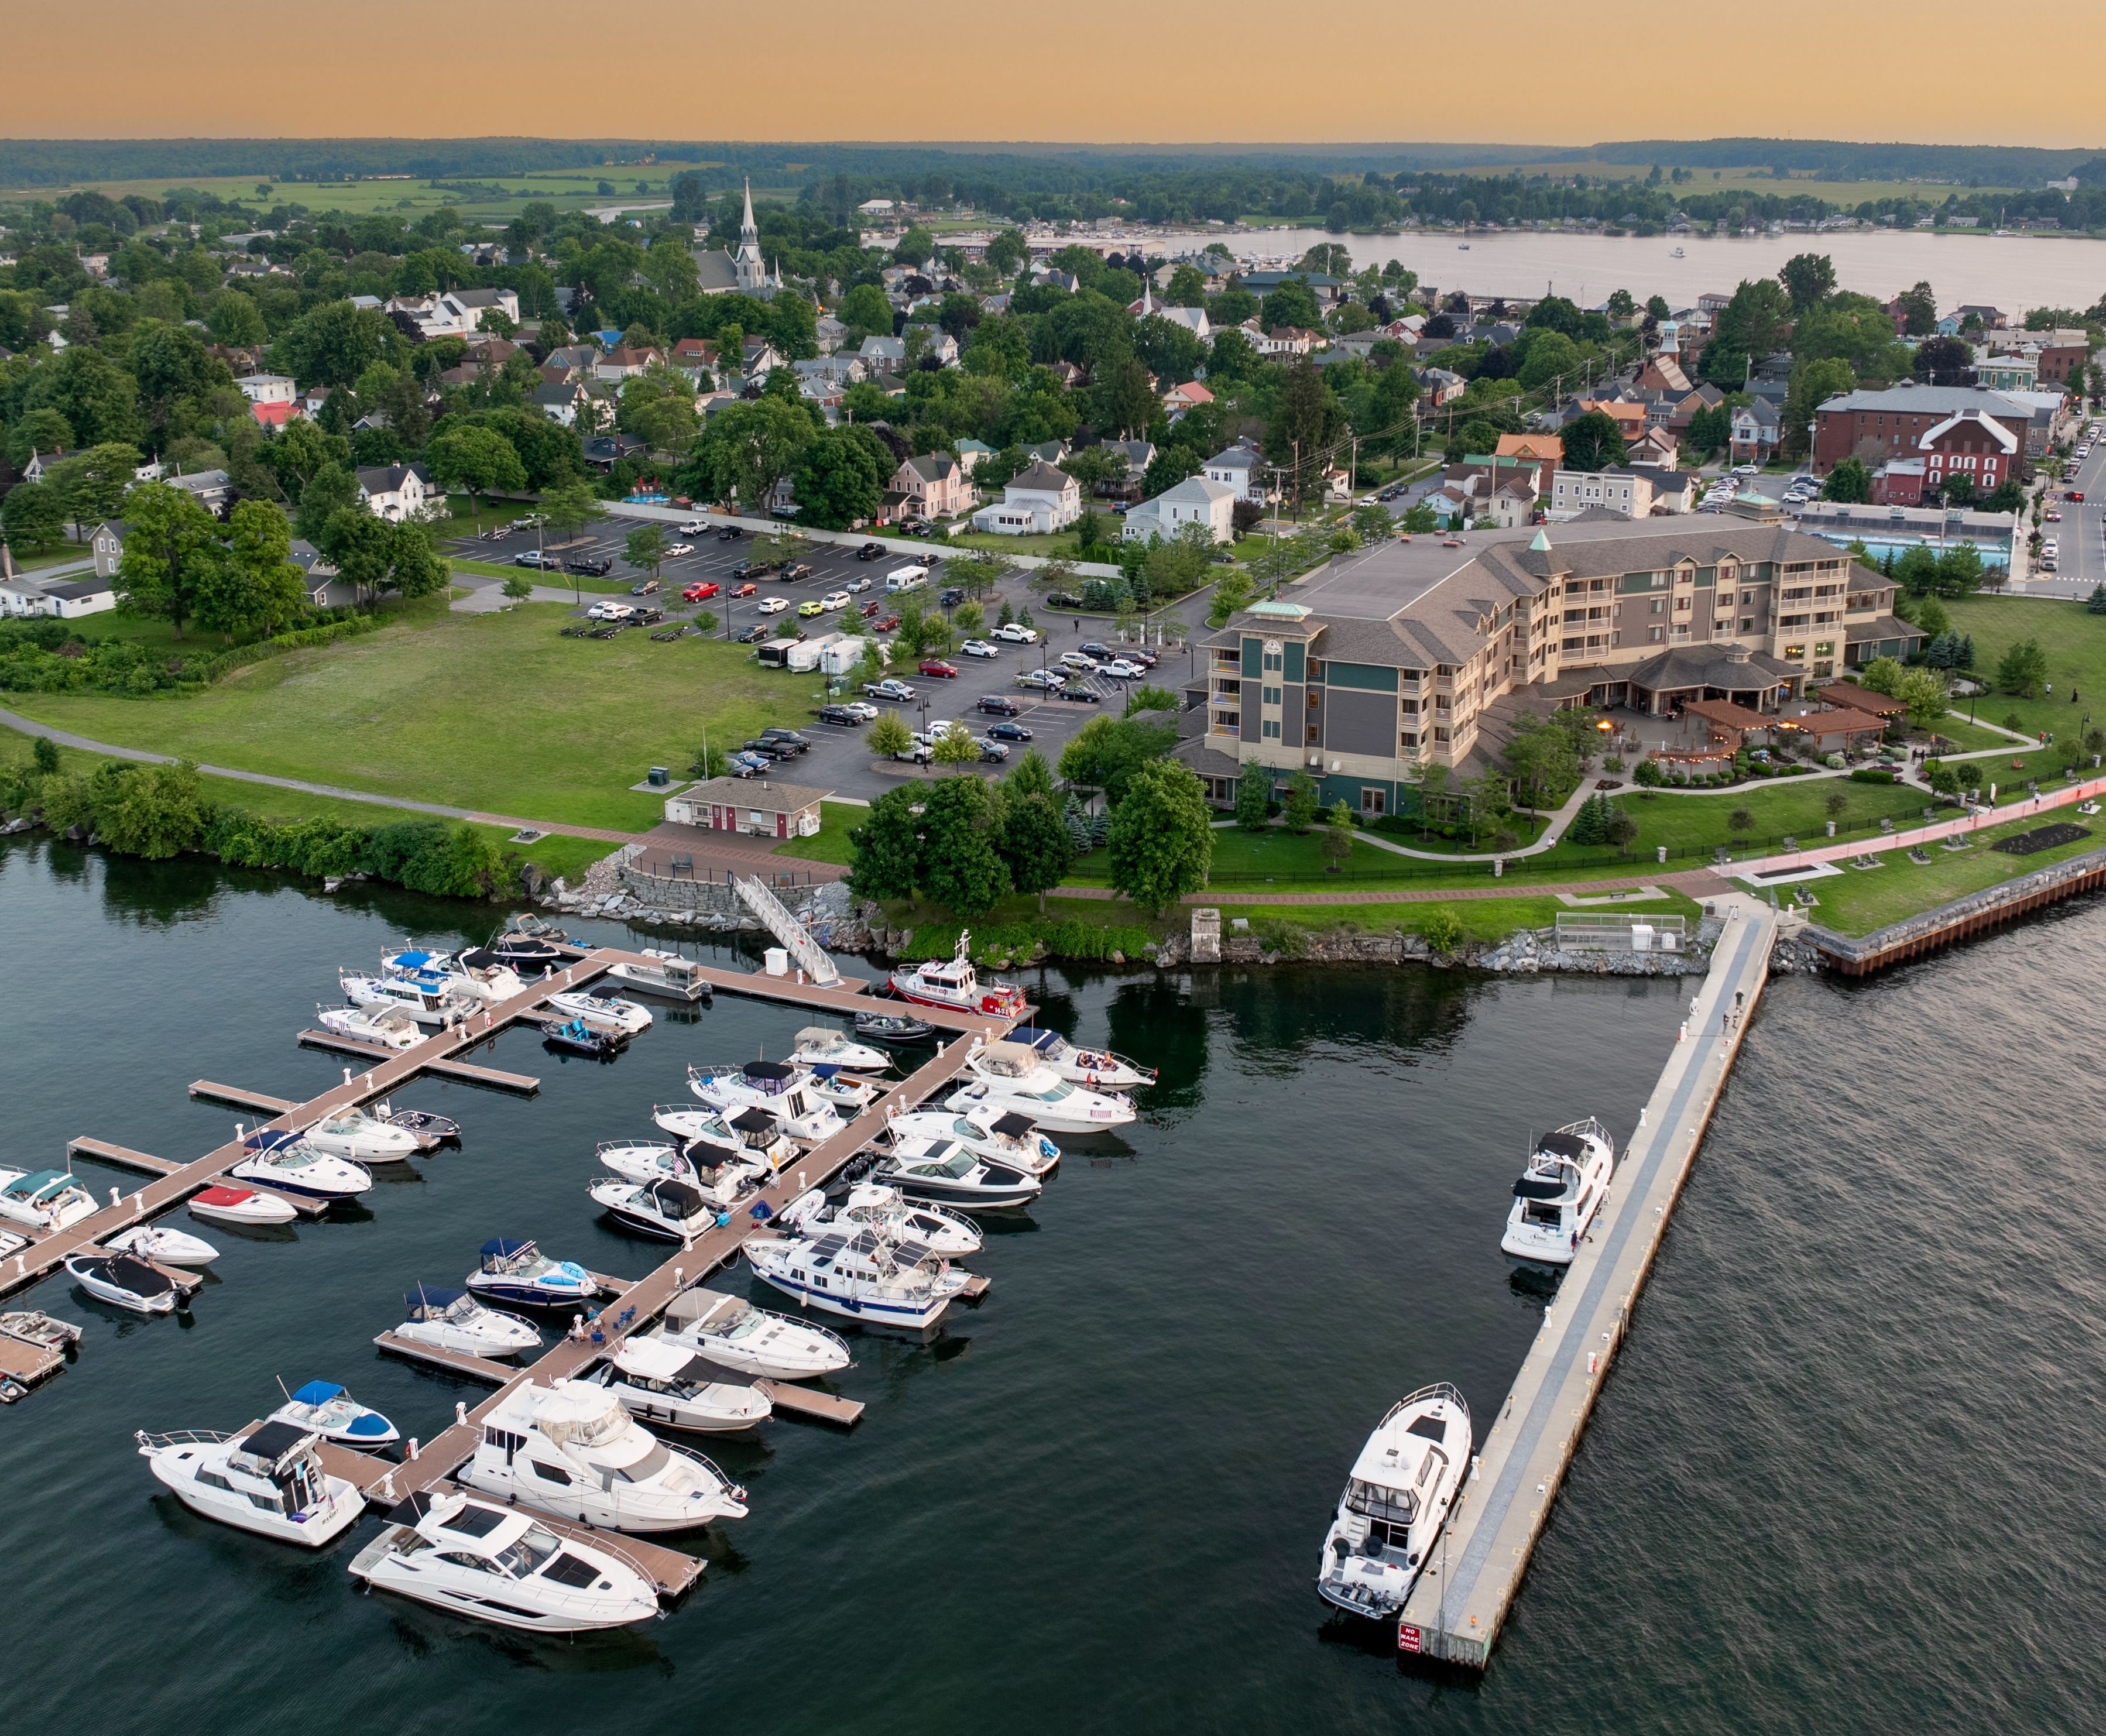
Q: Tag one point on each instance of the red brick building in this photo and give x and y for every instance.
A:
(1874, 426)
(1973, 444)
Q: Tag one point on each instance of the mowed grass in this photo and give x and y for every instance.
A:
(1868, 898)
(2074, 640)
(1488, 919)
(495, 713)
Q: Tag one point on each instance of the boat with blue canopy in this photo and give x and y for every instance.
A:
(326, 1409)
(517, 1272)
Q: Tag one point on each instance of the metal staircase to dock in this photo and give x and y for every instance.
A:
(810, 957)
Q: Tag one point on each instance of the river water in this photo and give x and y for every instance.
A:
(2012, 272)
(1844, 1478)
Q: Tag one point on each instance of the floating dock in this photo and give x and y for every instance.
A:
(241, 1097)
(1461, 1601)
(122, 1155)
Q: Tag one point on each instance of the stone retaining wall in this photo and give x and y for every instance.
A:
(1988, 908)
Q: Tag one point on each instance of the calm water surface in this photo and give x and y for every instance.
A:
(1845, 1477)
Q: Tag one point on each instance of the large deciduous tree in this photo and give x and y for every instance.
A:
(961, 867)
(1593, 441)
(171, 551)
(480, 460)
(1162, 840)
(254, 586)
(1808, 278)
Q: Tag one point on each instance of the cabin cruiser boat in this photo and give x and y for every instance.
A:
(955, 985)
(873, 1206)
(1396, 1502)
(660, 972)
(572, 1449)
(124, 1281)
(643, 1160)
(518, 1272)
(528, 943)
(242, 1207)
(453, 1319)
(42, 1201)
(666, 1384)
(386, 1028)
(733, 1333)
(821, 1046)
(692, 1127)
(665, 1210)
(1558, 1194)
(602, 1012)
(575, 1036)
(474, 975)
(1012, 1078)
(860, 1273)
(164, 1247)
(363, 1138)
(429, 1001)
(1004, 1137)
(944, 1171)
(331, 1412)
(782, 1090)
(269, 1481)
(494, 1563)
(285, 1163)
(1093, 1067)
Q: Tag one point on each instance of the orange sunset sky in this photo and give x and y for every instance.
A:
(1527, 71)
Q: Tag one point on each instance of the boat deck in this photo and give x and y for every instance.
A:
(26, 1364)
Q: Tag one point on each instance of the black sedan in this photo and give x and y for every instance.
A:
(870, 552)
(731, 533)
(1008, 732)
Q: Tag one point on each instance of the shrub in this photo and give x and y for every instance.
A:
(1870, 775)
(1649, 773)
(1443, 929)
(1741, 820)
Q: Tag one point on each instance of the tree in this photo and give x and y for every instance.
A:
(1107, 755)
(372, 555)
(1299, 808)
(645, 546)
(2022, 669)
(1551, 356)
(92, 484)
(2008, 496)
(335, 343)
(44, 430)
(841, 477)
(1944, 361)
(1919, 311)
(1306, 421)
(327, 492)
(960, 867)
(481, 460)
(1443, 930)
(519, 587)
(745, 448)
(255, 587)
(1035, 842)
(1808, 278)
(1849, 481)
(885, 851)
(568, 509)
(1746, 329)
(954, 745)
(1254, 796)
(1882, 675)
(865, 311)
(1924, 695)
(33, 516)
(1337, 841)
(1161, 839)
(1541, 757)
(171, 547)
(1959, 570)
(1593, 441)
(889, 736)
(1813, 383)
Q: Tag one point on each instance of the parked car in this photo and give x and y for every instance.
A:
(695, 527)
(978, 648)
(609, 611)
(1008, 732)
(744, 568)
(1062, 600)
(991, 749)
(842, 716)
(952, 597)
(588, 568)
(769, 749)
(645, 587)
(787, 738)
(811, 608)
(648, 617)
(678, 549)
(998, 704)
(746, 590)
(754, 634)
(1052, 680)
(938, 666)
(887, 625)
(834, 600)
(1017, 635)
(1146, 660)
(898, 692)
(773, 604)
(870, 552)
(731, 533)
(794, 572)
(860, 583)
(535, 558)
(701, 591)
(919, 751)
(1081, 664)
(748, 765)
(1082, 695)
(1119, 669)
(873, 606)
(1099, 653)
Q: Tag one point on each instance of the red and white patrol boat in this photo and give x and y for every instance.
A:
(954, 985)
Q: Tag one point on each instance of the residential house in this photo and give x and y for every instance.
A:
(1899, 483)
(933, 485)
(935, 342)
(1241, 469)
(326, 589)
(1328, 291)
(560, 404)
(1197, 500)
(971, 453)
(211, 488)
(1069, 375)
(1289, 340)
(843, 371)
(1189, 395)
(1989, 319)
(1656, 449)
(1628, 414)
(272, 397)
(2063, 355)
(607, 450)
(1539, 455)
(1514, 502)
(65, 598)
(759, 358)
(1663, 373)
(1755, 428)
(621, 363)
(883, 355)
(831, 334)
(1628, 493)
(1441, 387)
(2018, 373)
(397, 492)
(106, 543)
(1038, 501)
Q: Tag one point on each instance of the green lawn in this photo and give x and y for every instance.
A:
(836, 820)
(1795, 807)
(1483, 919)
(2074, 640)
(1865, 899)
(494, 711)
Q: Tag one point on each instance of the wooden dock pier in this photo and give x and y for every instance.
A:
(1456, 1610)
(241, 1098)
(122, 1157)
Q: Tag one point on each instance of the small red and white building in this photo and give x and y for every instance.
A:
(273, 398)
(760, 808)
(1972, 444)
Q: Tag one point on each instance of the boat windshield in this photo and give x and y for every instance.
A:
(1374, 1501)
(526, 1556)
(741, 1326)
(1061, 1089)
(956, 1166)
(644, 1469)
(464, 1309)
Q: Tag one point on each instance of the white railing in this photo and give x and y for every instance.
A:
(787, 929)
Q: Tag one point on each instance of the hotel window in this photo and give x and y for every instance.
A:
(1747, 623)
(1654, 635)
(1315, 701)
(1826, 648)
(1271, 696)
(1274, 660)
(1373, 799)
(1658, 604)
(1409, 738)
(1271, 730)
(1795, 650)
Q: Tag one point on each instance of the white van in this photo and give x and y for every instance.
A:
(907, 578)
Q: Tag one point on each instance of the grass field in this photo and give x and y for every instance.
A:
(830, 844)
(1865, 899)
(491, 712)
(1483, 919)
(1750, 178)
(2074, 639)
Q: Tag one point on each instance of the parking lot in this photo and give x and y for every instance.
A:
(840, 759)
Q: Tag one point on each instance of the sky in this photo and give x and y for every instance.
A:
(1142, 71)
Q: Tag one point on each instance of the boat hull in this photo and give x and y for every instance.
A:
(468, 1344)
(313, 1531)
(878, 1311)
(393, 1576)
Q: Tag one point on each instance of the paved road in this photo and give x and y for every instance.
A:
(2080, 533)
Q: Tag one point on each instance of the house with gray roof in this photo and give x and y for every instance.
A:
(1038, 501)
(1197, 500)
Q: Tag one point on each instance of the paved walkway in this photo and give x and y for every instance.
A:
(1698, 883)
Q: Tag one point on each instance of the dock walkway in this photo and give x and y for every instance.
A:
(1456, 1610)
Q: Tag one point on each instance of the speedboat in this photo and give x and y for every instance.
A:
(270, 1481)
(475, 975)
(860, 1273)
(164, 1247)
(692, 1127)
(242, 1207)
(665, 1210)
(1084, 1067)
(492, 1564)
(529, 943)
(42, 1201)
(453, 1319)
(944, 1171)
(955, 985)
(1396, 1502)
(386, 1028)
(664, 1383)
(733, 1333)
(287, 1164)
(518, 1272)
(1012, 1078)
(124, 1281)
(657, 971)
(429, 1001)
(331, 1412)
(1558, 1194)
(572, 1449)
(821, 1046)
(873, 1206)
(363, 1138)
(32, 1325)
(783, 1090)
(575, 1036)
(643, 1160)
(434, 1130)
(602, 1012)
(831, 1085)
(1006, 1138)
(893, 1028)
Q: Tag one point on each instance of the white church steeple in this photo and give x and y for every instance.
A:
(751, 270)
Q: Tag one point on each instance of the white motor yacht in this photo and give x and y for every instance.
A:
(385, 1027)
(954, 984)
(42, 1201)
(429, 1001)
(602, 1012)
(644, 1160)
(492, 1564)
(364, 1139)
(657, 971)
(665, 1211)
(124, 1281)
(821, 1046)
(269, 1481)
(164, 1245)
(334, 1415)
(244, 1208)
(1557, 1197)
(946, 1173)
(751, 1136)
(873, 1206)
(734, 1334)
(572, 1449)
(859, 1274)
(285, 1163)
(453, 1319)
(691, 1126)
(845, 1091)
(1396, 1502)
(781, 1090)
(1012, 1079)
(475, 975)
(667, 1384)
(1001, 1136)
(1094, 1067)
(520, 1273)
